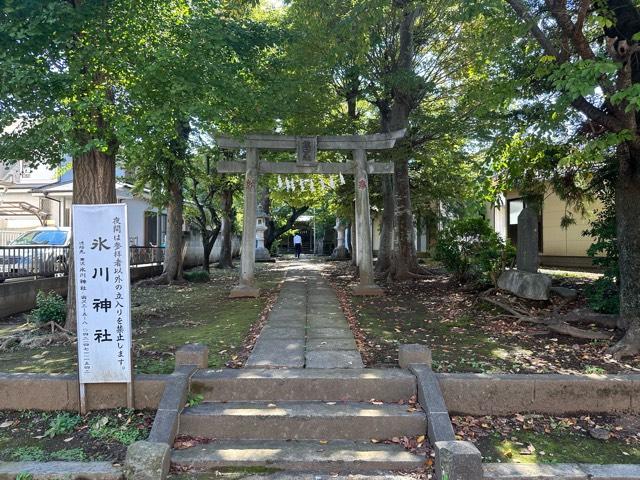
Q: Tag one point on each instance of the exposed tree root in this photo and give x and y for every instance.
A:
(35, 341)
(585, 317)
(161, 280)
(554, 323)
(628, 346)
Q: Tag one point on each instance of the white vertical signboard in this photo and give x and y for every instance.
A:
(103, 301)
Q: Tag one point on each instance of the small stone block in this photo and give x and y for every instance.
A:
(457, 461)
(244, 292)
(193, 354)
(413, 353)
(147, 461)
(367, 291)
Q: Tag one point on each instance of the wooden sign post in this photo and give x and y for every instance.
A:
(103, 297)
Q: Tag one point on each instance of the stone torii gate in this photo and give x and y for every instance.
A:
(306, 163)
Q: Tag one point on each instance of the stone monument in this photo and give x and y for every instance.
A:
(527, 259)
(262, 254)
(525, 281)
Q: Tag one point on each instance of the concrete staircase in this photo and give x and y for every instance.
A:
(320, 420)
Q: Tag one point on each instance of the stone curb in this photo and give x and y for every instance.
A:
(148, 460)
(66, 470)
(508, 394)
(432, 402)
(454, 460)
(560, 471)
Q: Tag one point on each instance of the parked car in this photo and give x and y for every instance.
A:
(39, 252)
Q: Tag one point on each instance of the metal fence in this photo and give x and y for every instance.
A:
(146, 255)
(49, 261)
(8, 236)
(32, 261)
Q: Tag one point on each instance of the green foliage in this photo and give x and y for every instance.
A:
(592, 370)
(28, 454)
(24, 476)
(62, 424)
(472, 251)
(125, 432)
(197, 276)
(194, 399)
(69, 455)
(50, 307)
(603, 294)
(275, 247)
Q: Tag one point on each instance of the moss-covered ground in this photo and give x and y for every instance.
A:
(565, 447)
(163, 319)
(543, 439)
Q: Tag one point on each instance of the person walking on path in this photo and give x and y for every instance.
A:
(297, 244)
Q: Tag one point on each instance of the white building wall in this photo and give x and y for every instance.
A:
(136, 208)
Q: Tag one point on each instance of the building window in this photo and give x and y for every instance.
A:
(514, 209)
(150, 229)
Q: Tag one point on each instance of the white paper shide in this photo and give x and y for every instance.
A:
(103, 301)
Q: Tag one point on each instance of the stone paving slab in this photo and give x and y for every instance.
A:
(331, 344)
(315, 333)
(276, 332)
(327, 322)
(277, 353)
(287, 323)
(334, 359)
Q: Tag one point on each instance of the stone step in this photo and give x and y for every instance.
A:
(299, 456)
(273, 385)
(301, 421)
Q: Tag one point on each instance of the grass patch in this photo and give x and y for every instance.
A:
(163, 319)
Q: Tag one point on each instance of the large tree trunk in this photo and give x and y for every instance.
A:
(94, 182)
(173, 259)
(226, 248)
(383, 263)
(628, 231)
(405, 258)
(208, 241)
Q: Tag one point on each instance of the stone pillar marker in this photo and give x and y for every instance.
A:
(262, 254)
(527, 259)
(340, 252)
(247, 287)
(367, 285)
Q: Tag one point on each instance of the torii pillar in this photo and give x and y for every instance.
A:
(367, 285)
(246, 286)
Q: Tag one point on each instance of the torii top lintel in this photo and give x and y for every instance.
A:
(307, 148)
(377, 141)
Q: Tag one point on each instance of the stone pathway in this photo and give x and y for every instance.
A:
(306, 328)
